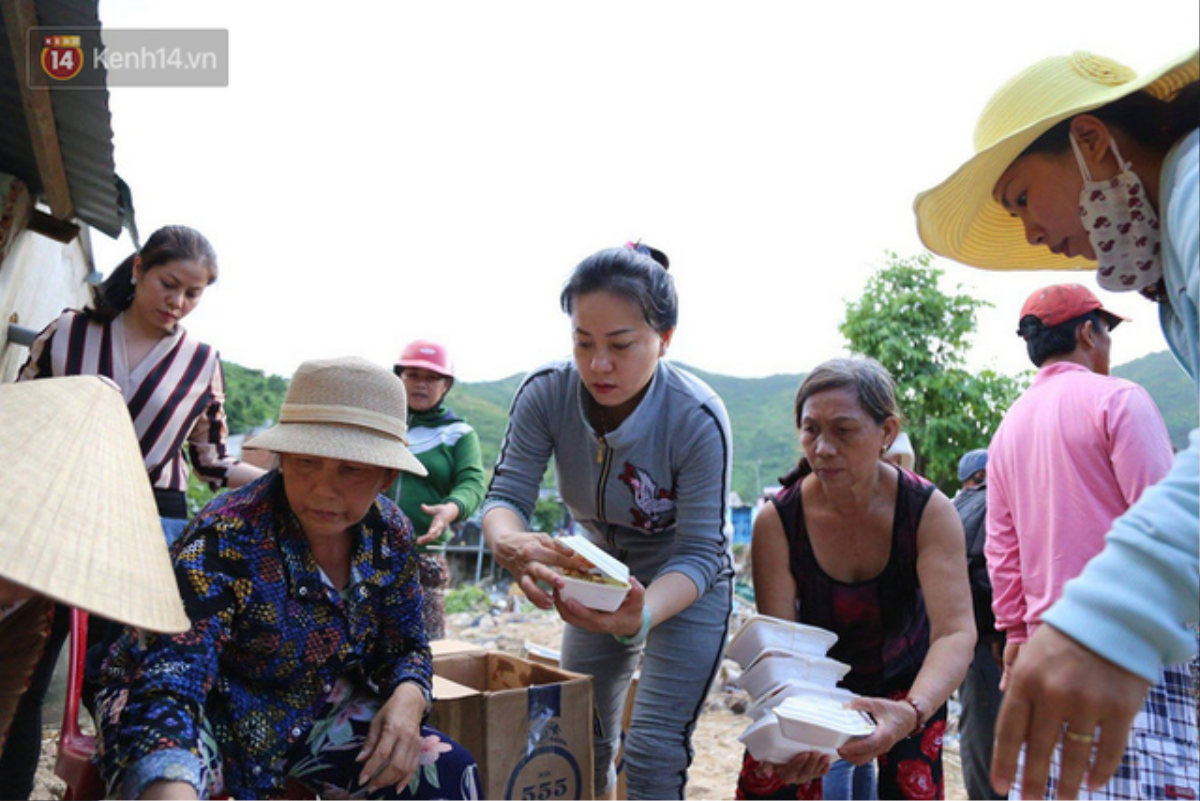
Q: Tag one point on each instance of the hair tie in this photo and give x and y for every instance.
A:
(640, 248)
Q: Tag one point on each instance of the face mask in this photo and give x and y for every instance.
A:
(1121, 225)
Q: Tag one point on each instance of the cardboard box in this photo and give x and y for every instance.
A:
(622, 784)
(443, 647)
(549, 656)
(529, 726)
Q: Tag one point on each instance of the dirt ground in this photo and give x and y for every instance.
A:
(713, 774)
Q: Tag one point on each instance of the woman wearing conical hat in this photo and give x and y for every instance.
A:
(1081, 163)
(78, 523)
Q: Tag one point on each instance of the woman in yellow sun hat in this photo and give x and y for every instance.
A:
(1080, 163)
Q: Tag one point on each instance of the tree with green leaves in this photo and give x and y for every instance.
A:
(921, 335)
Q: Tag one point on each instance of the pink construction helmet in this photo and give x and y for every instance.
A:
(427, 355)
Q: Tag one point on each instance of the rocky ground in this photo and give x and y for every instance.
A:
(505, 623)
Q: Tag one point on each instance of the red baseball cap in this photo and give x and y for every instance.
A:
(1057, 304)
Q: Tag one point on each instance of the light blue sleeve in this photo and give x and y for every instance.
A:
(1132, 602)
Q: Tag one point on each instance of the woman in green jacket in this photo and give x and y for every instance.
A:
(449, 449)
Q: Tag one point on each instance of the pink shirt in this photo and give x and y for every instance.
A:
(1072, 454)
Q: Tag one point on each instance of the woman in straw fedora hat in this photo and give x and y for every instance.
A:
(307, 661)
(71, 438)
(174, 390)
(1080, 163)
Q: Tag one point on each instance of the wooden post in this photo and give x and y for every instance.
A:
(19, 17)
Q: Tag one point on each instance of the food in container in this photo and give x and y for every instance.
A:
(604, 586)
(773, 667)
(794, 688)
(822, 724)
(762, 632)
(766, 743)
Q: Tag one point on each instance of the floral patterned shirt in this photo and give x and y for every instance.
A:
(269, 639)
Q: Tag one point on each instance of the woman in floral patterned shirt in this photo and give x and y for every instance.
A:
(306, 663)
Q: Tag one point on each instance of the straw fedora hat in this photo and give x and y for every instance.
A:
(345, 408)
(78, 521)
(959, 218)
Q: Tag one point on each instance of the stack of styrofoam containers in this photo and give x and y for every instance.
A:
(797, 705)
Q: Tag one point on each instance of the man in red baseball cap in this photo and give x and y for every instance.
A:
(1066, 322)
(1071, 455)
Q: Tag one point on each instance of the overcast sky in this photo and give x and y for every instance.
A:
(377, 172)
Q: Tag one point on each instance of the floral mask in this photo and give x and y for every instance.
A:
(1122, 227)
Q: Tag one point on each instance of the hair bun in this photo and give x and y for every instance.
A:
(1030, 326)
(653, 253)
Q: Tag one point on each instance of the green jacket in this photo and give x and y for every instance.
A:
(449, 449)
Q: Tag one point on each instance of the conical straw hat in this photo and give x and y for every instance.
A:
(78, 521)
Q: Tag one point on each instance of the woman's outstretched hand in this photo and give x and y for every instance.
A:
(441, 515)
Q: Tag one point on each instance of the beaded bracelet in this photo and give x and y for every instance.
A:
(920, 714)
(639, 638)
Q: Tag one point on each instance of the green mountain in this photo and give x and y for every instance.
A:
(765, 444)
(1171, 389)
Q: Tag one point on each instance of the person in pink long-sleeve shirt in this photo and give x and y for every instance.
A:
(1072, 454)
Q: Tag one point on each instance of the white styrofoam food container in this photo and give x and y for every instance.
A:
(820, 723)
(766, 743)
(602, 597)
(762, 632)
(794, 688)
(772, 668)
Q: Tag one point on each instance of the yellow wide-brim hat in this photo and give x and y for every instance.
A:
(959, 218)
(78, 522)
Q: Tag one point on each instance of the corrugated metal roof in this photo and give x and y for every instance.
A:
(83, 122)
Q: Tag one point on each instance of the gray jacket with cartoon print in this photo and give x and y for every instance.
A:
(652, 492)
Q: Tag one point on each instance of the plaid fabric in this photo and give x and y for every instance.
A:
(1162, 759)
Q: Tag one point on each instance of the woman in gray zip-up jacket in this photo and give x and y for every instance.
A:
(643, 459)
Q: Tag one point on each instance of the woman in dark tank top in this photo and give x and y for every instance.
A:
(856, 545)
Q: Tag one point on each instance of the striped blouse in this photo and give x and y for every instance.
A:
(177, 392)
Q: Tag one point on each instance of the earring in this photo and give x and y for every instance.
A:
(133, 280)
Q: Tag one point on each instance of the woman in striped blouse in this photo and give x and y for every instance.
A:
(175, 391)
(172, 382)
